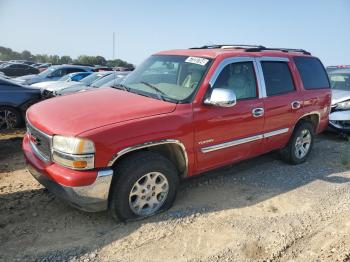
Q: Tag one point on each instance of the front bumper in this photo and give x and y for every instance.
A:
(339, 121)
(91, 198)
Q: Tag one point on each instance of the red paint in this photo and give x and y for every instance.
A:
(115, 120)
(62, 175)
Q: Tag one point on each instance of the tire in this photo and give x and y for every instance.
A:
(294, 152)
(9, 118)
(142, 171)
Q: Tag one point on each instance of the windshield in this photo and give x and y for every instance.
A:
(91, 78)
(116, 79)
(65, 78)
(173, 78)
(102, 80)
(340, 81)
(48, 71)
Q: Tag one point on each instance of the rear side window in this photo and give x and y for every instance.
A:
(278, 79)
(312, 72)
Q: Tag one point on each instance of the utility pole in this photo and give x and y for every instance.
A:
(113, 44)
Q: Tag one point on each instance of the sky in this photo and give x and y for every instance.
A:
(77, 27)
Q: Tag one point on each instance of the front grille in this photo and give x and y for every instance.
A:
(47, 94)
(40, 141)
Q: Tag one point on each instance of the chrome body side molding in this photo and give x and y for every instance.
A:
(243, 140)
(150, 144)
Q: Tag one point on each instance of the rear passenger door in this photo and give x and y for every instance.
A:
(283, 105)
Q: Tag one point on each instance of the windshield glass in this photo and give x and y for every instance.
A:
(340, 81)
(103, 80)
(116, 79)
(48, 71)
(65, 78)
(91, 78)
(170, 76)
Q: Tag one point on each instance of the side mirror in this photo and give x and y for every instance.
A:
(221, 97)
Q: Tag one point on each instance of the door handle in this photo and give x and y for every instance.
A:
(296, 104)
(258, 112)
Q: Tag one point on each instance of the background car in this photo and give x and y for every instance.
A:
(43, 67)
(15, 99)
(106, 79)
(339, 118)
(54, 73)
(329, 69)
(72, 77)
(54, 88)
(12, 69)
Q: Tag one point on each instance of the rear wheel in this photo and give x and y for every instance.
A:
(9, 118)
(143, 185)
(300, 144)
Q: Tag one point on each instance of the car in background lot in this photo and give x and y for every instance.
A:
(12, 69)
(329, 69)
(339, 118)
(54, 73)
(179, 114)
(106, 79)
(72, 77)
(43, 67)
(14, 101)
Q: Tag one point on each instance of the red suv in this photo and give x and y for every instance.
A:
(180, 113)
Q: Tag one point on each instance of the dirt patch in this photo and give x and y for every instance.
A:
(259, 210)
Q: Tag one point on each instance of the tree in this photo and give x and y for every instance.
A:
(120, 63)
(66, 60)
(26, 55)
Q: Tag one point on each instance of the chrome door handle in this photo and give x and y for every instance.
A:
(258, 112)
(296, 104)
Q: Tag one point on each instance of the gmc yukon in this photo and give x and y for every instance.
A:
(179, 114)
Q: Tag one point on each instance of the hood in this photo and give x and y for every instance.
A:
(73, 114)
(74, 89)
(339, 96)
(62, 85)
(44, 84)
(30, 79)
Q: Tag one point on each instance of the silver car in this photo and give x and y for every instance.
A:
(53, 73)
(339, 118)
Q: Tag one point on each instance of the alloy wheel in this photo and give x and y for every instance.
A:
(8, 119)
(148, 194)
(303, 143)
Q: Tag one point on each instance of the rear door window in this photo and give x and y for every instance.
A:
(312, 73)
(278, 78)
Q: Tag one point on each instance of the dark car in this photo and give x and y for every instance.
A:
(15, 99)
(11, 69)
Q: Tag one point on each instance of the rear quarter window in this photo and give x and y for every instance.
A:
(312, 73)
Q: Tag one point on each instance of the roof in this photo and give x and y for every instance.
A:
(340, 71)
(215, 51)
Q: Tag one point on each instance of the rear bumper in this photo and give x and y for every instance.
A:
(339, 121)
(92, 197)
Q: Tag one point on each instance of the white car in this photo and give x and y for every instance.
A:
(339, 118)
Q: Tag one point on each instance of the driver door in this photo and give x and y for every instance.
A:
(225, 135)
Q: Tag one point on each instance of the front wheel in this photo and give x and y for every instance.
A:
(300, 144)
(144, 184)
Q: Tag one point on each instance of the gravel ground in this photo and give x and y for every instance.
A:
(258, 210)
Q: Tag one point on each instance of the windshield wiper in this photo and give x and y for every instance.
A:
(121, 87)
(161, 95)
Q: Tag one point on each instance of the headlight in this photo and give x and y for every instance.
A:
(343, 105)
(73, 152)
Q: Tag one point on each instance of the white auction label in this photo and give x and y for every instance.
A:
(197, 60)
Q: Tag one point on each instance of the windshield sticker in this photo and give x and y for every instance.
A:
(197, 60)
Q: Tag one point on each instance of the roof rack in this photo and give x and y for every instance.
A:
(286, 50)
(228, 46)
(253, 48)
